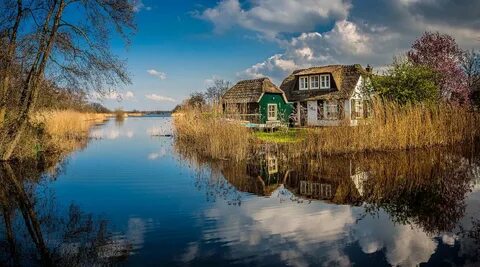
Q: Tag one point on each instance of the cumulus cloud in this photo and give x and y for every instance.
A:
(160, 98)
(158, 74)
(271, 17)
(346, 43)
(359, 33)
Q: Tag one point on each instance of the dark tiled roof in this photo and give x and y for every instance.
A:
(345, 77)
(248, 91)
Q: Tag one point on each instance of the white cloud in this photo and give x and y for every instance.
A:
(138, 6)
(357, 36)
(158, 74)
(160, 98)
(271, 17)
(112, 95)
(313, 230)
(346, 43)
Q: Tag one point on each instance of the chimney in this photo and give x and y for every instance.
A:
(369, 69)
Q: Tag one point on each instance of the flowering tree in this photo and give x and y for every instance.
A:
(441, 53)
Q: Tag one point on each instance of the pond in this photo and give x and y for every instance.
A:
(134, 197)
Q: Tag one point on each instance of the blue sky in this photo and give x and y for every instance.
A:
(181, 45)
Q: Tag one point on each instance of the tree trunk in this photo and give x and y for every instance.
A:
(28, 213)
(29, 93)
(9, 58)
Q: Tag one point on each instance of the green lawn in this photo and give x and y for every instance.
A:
(281, 136)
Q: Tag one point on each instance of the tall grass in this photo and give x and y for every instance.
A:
(57, 132)
(212, 136)
(393, 127)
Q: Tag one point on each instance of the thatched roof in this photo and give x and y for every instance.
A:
(343, 81)
(249, 91)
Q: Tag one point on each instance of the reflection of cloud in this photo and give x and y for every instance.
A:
(160, 131)
(156, 155)
(136, 232)
(310, 231)
(111, 134)
(129, 134)
(405, 245)
(153, 156)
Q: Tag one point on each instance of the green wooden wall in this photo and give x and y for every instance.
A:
(284, 109)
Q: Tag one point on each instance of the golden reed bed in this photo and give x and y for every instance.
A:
(393, 127)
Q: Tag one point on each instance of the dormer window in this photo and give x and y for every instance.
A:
(304, 83)
(314, 82)
(325, 81)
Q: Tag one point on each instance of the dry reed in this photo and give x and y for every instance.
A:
(393, 127)
(57, 132)
(396, 127)
(212, 136)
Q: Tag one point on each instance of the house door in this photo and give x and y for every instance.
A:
(312, 113)
(272, 114)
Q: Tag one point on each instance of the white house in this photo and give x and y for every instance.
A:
(330, 95)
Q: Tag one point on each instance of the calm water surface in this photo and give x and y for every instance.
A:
(134, 198)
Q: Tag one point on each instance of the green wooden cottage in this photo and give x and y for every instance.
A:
(257, 101)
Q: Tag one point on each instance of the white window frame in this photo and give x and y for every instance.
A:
(324, 81)
(272, 118)
(303, 83)
(332, 106)
(315, 84)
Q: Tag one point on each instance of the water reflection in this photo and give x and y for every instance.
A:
(35, 232)
(398, 208)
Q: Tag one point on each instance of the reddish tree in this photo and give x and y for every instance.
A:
(441, 53)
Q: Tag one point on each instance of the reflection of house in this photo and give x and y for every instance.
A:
(328, 95)
(257, 101)
(272, 164)
(359, 178)
(316, 190)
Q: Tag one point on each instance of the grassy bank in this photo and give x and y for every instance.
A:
(393, 127)
(57, 132)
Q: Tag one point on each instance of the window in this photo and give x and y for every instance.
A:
(314, 81)
(272, 112)
(304, 83)
(332, 110)
(357, 109)
(325, 81)
(320, 110)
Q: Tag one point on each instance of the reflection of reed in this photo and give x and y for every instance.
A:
(422, 187)
(79, 239)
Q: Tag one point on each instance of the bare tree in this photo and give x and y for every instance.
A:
(471, 66)
(66, 41)
(215, 92)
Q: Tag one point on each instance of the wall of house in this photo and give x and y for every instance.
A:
(346, 108)
(284, 108)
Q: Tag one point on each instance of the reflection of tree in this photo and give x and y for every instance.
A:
(470, 239)
(422, 187)
(75, 239)
(426, 188)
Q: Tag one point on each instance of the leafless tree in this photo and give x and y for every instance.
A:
(65, 41)
(471, 66)
(215, 92)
